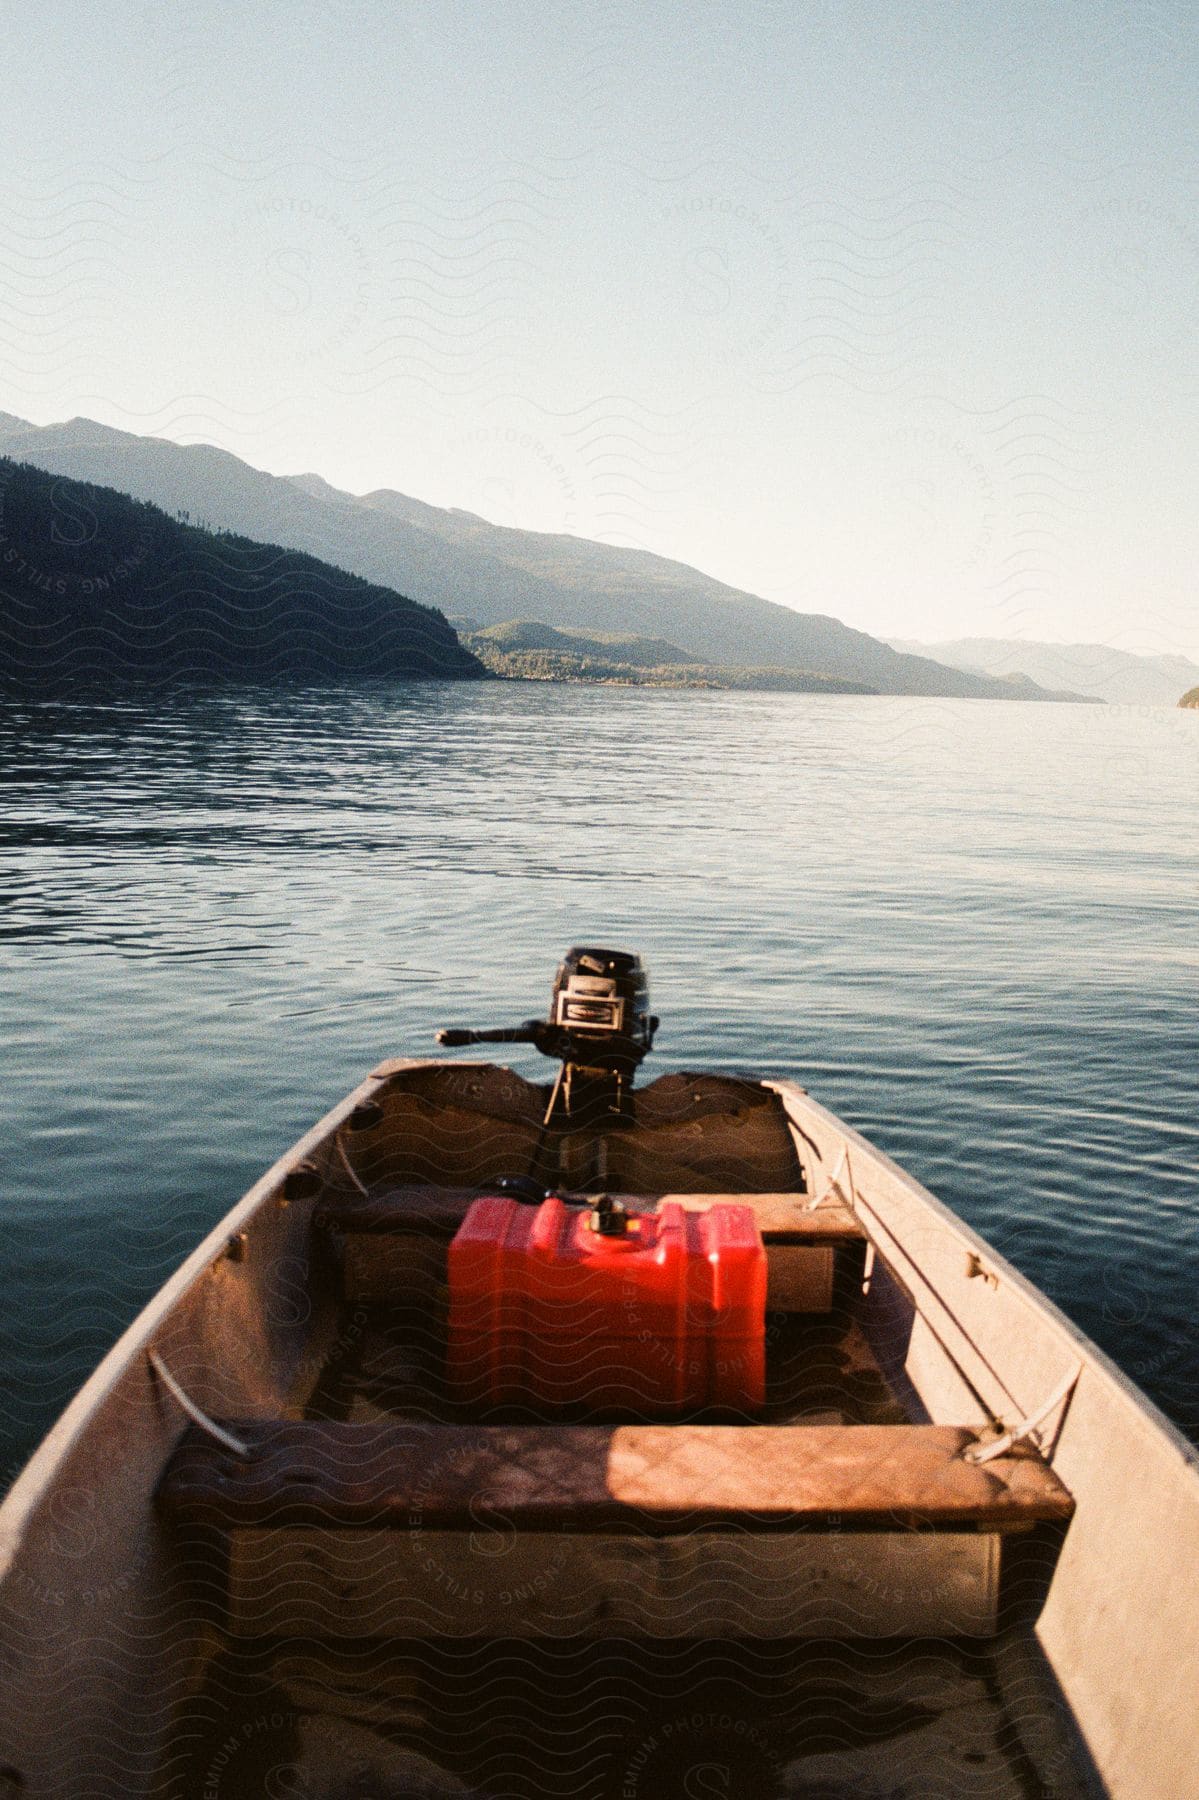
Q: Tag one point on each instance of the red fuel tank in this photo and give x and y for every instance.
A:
(668, 1315)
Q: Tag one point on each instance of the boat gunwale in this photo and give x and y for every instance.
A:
(1032, 1297)
(55, 1449)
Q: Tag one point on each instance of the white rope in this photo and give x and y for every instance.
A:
(194, 1412)
(983, 1453)
(349, 1168)
(850, 1199)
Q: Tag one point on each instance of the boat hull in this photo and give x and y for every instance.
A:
(98, 1618)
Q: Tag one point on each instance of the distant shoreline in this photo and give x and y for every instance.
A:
(579, 672)
(531, 650)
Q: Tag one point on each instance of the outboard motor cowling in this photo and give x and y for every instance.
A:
(600, 1004)
(599, 1027)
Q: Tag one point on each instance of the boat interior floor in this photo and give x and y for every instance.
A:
(388, 1362)
(626, 1720)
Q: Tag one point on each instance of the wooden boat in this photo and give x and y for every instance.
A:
(265, 1551)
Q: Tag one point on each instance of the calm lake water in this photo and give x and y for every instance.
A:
(969, 927)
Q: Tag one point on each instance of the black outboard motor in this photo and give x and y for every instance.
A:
(599, 1028)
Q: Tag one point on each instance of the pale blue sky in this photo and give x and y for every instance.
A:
(884, 310)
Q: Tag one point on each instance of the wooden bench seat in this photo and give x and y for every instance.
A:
(395, 1237)
(783, 1218)
(391, 1530)
(655, 1479)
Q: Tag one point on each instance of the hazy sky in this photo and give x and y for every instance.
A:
(884, 310)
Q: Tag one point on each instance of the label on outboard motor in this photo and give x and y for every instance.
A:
(643, 1313)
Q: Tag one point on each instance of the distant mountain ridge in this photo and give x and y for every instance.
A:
(461, 564)
(1097, 670)
(95, 586)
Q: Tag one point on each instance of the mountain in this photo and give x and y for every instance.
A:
(1096, 670)
(94, 585)
(460, 563)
